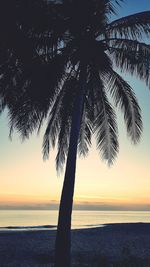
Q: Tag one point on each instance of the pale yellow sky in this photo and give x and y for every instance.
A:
(26, 180)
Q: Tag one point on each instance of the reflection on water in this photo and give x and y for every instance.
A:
(81, 218)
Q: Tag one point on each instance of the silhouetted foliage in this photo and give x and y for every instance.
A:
(56, 56)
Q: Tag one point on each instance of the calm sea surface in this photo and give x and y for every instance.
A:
(81, 219)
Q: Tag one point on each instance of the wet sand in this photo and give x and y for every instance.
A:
(36, 248)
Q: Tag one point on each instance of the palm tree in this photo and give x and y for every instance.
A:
(63, 71)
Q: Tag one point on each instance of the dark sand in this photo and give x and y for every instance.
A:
(36, 248)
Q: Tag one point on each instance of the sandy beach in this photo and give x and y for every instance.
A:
(111, 242)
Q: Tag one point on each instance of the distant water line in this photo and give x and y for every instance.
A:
(47, 219)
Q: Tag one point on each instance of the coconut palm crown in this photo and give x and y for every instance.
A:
(58, 63)
(40, 76)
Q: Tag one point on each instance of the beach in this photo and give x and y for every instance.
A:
(112, 242)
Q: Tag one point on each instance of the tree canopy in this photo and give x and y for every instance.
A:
(45, 43)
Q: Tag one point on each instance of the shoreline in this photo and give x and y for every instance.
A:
(46, 227)
(54, 227)
(36, 247)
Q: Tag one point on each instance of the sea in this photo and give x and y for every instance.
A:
(47, 219)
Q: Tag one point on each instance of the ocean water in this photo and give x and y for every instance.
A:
(25, 219)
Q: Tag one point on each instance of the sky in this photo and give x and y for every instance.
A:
(26, 181)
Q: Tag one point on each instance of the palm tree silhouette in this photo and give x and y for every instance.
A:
(58, 64)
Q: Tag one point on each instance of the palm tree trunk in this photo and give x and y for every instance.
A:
(63, 237)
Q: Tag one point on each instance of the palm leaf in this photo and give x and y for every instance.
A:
(132, 26)
(52, 128)
(63, 139)
(105, 123)
(57, 117)
(124, 98)
(85, 134)
(2, 105)
(132, 56)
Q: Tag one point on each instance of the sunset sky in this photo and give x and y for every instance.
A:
(28, 182)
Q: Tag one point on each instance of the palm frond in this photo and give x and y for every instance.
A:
(2, 105)
(26, 122)
(63, 140)
(29, 94)
(105, 123)
(111, 6)
(42, 48)
(132, 56)
(85, 134)
(125, 99)
(52, 128)
(132, 26)
(57, 118)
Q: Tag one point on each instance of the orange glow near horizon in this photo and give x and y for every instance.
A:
(34, 183)
(26, 180)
